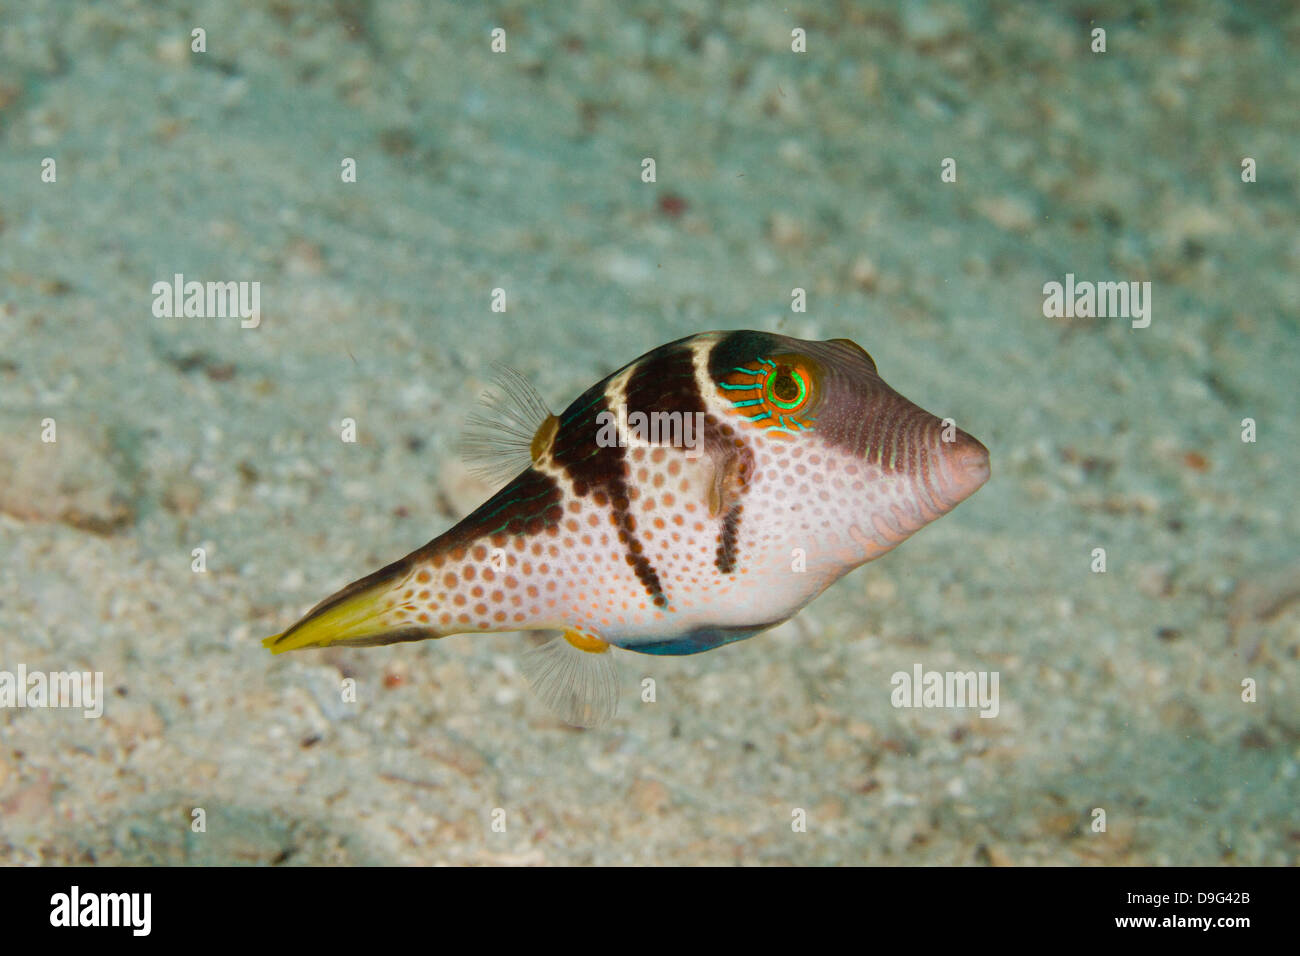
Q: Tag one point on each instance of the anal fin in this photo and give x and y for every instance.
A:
(575, 676)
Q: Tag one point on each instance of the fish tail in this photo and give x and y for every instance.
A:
(366, 613)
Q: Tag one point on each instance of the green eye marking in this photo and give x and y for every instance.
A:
(773, 395)
(786, 388)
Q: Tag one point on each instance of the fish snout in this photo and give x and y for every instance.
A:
(963, 468)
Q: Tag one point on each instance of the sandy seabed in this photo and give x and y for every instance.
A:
(522, 171)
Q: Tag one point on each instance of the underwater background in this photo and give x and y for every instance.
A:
(1161, 691)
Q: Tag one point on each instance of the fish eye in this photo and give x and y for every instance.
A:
(786, 388)
(778, 392)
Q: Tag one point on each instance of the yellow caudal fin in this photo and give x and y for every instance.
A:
(363, 614)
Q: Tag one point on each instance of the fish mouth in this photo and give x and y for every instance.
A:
(963, 468)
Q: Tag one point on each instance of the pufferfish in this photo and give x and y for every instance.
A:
(701, 494)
